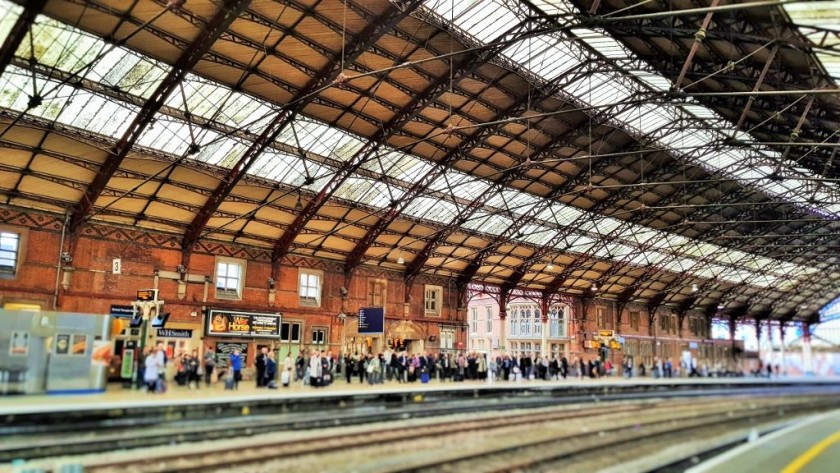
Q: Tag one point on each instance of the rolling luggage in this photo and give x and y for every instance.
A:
(285, 379)
(325, 380)
(229, 383)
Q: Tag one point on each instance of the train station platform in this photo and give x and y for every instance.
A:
(811, 445)
(117, 397)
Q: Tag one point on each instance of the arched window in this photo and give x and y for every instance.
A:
(537, 322)
(557, 321)
(513, 315)
(525, 327)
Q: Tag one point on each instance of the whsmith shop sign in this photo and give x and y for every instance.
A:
(228, 323)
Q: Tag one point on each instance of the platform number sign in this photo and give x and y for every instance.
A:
(116, 266)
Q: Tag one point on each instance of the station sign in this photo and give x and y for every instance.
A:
(174, 333)
(229, 323)
(606, 333)
(614, 345)
(122, 311)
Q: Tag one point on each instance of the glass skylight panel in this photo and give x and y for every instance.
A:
(399, 166)
(213, 101)
(282, 167)
(9, 13)
(68, 105)
(462, 185)
(485, 222)
(538, 234)
(321, 139)
(605, 45)
(167, 134)
(368, 192)
(487, 22)
(436, 210)
(71, 50)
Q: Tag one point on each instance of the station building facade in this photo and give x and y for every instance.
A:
(561, 328)
(308, 296)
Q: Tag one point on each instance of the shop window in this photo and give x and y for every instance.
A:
(447, 339)
(290, 332)
(319, 336)
(230, 278)
(434, 295)
(10, 253)
(488, 319)
(309, 287)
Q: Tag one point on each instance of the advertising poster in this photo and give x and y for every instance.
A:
(226, 323)
(19, 345)
(103, 351)
(127, 368)
(371, 320)
(62, 344)
(79, 346)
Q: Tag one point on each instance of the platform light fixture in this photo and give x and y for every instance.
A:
(694, 287)
(594, 287)
(298, 204)
(550, 266)
(400, 259)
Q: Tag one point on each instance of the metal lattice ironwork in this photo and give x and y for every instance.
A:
(682, 156)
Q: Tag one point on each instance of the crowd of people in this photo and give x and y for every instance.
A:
(320, 368)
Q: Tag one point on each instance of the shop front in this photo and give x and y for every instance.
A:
(406, 335)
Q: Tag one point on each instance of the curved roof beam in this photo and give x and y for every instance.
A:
(519, 106)
(225, 15)
(474, 59)
(328, 74)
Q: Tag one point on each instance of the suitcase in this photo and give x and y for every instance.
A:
(160, 385)
(229, 384)
(271, 384)
(285, 379)
(326, 379)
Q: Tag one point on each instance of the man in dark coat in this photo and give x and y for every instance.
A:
(260, 364)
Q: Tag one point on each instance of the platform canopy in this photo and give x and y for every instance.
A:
(681, 153)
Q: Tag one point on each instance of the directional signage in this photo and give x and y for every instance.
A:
(605, 333)
(371, 320)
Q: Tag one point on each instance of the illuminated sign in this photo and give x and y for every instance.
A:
(605, 333)
(228, 323)
(147, 295)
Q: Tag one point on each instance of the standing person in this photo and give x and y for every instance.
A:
(151, 374)
(209, 366)
(270, 371)
(236, 366)
(194, 370)
(564, 367)
(300, 364)
(315, 369)
(260, 364)
(349, 367)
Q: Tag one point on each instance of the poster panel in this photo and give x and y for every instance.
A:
(228, 323)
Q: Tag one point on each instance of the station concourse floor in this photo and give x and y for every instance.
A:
(811, 445)
(117, 397)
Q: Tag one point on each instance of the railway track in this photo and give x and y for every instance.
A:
(544, 440)
(32, 443)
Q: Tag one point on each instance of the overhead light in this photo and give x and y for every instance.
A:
(298, 204)
(720, 306)
(594, 287)
(694, 288)
(550, 266)
(400, 260)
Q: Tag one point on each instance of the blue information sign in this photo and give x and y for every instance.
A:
(371, 320)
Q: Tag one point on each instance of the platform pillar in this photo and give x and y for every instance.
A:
(807, 360)
(782, 338)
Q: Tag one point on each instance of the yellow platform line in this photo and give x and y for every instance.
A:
(811, 453)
